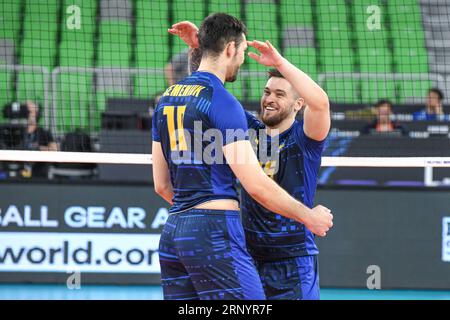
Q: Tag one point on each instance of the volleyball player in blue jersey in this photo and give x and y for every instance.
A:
(202, 250)
(284, 249)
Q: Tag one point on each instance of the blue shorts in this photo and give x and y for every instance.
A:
(291, 279)
(203, 256)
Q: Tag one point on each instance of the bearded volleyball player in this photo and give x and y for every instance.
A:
(202, 250)
(284, 249)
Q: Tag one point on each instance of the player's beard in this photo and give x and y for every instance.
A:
(275, 119)
(235, 72)
(234, 75)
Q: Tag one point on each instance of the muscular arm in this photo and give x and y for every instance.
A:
(317, 113)
(161, 177)
(316, 116)
(242, 160)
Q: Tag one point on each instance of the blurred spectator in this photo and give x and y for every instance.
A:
(37, 138)
(25, 134)
(433, 108)
(383, 122)
(178, 67)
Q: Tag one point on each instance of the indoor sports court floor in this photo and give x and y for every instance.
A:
(107, 292)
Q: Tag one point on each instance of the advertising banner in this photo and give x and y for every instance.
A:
(105, 232)
(382, 238)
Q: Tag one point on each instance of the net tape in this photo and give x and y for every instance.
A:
(127, 158)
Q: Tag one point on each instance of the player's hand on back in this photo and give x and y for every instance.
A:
(319, 221)
(269, 56)
(187, 31)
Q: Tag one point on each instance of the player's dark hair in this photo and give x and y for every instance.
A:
(274, 73)
(217, 30)
(438, 92)
(383, 101)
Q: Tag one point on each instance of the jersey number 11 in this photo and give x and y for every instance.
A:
(170, 112)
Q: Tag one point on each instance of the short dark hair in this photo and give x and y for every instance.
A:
(438, 92)
(383, 101)
(274, 73)
(217, 30)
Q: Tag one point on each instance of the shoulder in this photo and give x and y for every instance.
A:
(297, 129)
(226, 112)
(253, 121)
(306, 143)
(223, 98)
(158, 109)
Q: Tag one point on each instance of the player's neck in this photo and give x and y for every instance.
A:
(280, 128)
(211, 66)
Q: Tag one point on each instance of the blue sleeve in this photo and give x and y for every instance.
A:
(312, 148)
(253, 122)
(155, 134)
(227, 115)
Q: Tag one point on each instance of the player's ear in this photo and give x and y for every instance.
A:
(231, 49)
(299, 103)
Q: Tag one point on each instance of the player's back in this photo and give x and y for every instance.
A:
(190, 116)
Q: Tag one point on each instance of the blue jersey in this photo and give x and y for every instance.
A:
(271, 236)
(182, 121)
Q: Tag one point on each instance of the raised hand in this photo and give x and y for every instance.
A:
(269, 56)
(187, 31)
